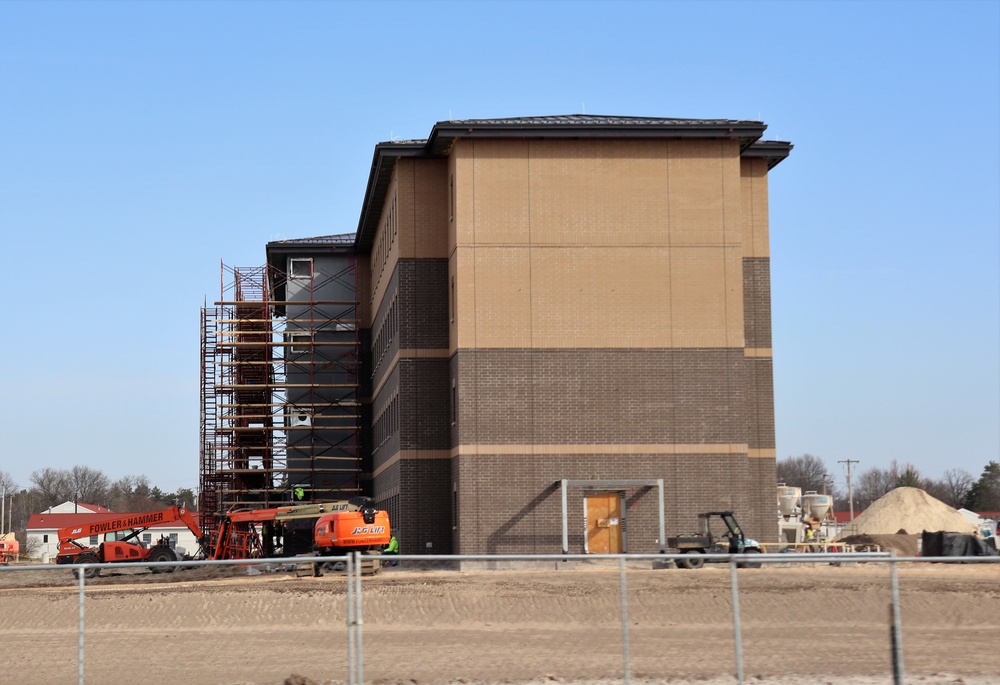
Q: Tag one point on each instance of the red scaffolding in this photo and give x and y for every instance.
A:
(246, 418)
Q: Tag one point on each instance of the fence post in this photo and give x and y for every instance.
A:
(351, 664)
(624, 593)
(79, 646)
(737, 629)
(896, 629)
(358, 619)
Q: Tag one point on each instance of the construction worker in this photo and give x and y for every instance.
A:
(810, 537)
(392, 549)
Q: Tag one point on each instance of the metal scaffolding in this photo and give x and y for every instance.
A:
(279, 395)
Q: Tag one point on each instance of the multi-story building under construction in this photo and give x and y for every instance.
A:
(545, 333)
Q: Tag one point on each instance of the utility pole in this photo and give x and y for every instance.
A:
(850, 488)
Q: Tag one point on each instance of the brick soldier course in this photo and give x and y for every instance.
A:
(573, 297)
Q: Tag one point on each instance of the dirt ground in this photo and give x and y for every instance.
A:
(215, 626)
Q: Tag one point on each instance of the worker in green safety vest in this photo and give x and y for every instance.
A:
(391, 549)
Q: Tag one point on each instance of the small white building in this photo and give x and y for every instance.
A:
(43, 528)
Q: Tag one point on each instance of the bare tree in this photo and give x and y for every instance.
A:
(89, 484)
(29, 547)
(806, 471)
(52, 486)
(131, 493)
(871, 485)
(8, 488)
(8, 484)
(952, 488)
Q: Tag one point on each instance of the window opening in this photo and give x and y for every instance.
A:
(301, 342)
(301, 268)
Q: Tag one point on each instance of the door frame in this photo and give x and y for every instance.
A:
(610, 485)
(621, 525)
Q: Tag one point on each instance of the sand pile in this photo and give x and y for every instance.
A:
(907, 510)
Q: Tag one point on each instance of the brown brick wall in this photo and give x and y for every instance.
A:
(512, 503)
(601, 397)
(757, 302)
(424, 416)
(762, 499)
(423, 291)
(425, 507)
(760, 403)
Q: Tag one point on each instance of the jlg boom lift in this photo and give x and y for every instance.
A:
(341, 527)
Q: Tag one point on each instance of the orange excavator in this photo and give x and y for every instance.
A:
(122, 541)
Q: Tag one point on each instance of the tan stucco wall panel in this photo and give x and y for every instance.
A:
(385, 249)
(502, 297)
(501, 207)
(600, 297)
(703, 192)
(756, 239)
(706, 297)
(600, 243)
(422, 220)
(461, 197)
(598, 192)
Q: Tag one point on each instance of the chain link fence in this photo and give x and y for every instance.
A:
(483, 618)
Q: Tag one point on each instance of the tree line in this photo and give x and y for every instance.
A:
(50, 487)
(957, 487)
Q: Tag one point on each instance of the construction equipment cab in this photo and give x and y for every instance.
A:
(727, 538)
(122, 542)
(9, 548)
(365, 530)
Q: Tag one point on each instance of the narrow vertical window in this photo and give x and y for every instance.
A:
(454, 403)
(452, 302)
(451, 197)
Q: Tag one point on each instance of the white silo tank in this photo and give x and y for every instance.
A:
(788, 499)
(815, 505)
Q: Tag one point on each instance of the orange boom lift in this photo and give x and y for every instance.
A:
(341, 527)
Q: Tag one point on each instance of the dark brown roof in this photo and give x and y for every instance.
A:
(337, 239)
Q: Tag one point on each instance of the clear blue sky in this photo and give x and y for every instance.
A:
(142, 143)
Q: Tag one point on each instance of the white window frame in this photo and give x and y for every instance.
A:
(300, 260)
(300, 343)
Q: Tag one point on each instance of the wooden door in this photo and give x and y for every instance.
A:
(604, 522)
